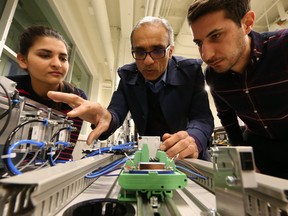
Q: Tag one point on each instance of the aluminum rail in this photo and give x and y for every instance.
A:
(46, 191)
(270, 197)
(50, 191)
(106, 187)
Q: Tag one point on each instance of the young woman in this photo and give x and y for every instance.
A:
(43, 53)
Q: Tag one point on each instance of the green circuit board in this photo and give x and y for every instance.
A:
(141, 175)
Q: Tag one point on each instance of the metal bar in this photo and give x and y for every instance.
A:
(139, 205)
(172, 207)
(6, 21)
(195, 200)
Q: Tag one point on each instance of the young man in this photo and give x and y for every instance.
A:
(248, 77)
(165, 95)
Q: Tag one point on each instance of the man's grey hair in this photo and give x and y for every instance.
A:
(154, 20)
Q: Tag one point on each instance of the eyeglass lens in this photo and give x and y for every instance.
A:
(155, 54)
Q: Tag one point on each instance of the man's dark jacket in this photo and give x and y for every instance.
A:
(183, 100)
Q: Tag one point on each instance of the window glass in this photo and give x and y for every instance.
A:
(80, 77)
(2, 5)
(29, 13)
(9, 66)
(36, 12)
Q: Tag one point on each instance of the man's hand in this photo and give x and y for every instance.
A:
(89, 111)
(179, 143)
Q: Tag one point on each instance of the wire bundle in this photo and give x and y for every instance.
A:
(116, 164)
(9, 148)
(189, 169)
(122, 147)
(108, 169)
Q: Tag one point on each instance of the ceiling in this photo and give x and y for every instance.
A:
(101, 28)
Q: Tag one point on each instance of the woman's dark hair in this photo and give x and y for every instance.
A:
(234, 9)
(32, 33)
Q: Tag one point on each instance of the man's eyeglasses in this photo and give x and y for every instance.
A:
(154, 54)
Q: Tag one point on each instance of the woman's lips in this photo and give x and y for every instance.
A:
(56, 73)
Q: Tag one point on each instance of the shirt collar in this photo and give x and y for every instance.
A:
(156, 87)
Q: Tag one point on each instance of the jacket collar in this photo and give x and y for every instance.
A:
(259, 42)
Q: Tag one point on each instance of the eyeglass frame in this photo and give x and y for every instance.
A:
(146, 53)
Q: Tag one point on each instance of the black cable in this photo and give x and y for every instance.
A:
(57, 132)
(52, 159)
(9, 139)
(11, 105)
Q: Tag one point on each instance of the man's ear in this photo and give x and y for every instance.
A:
(248, 21)
(22, 61)
(171, 50)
